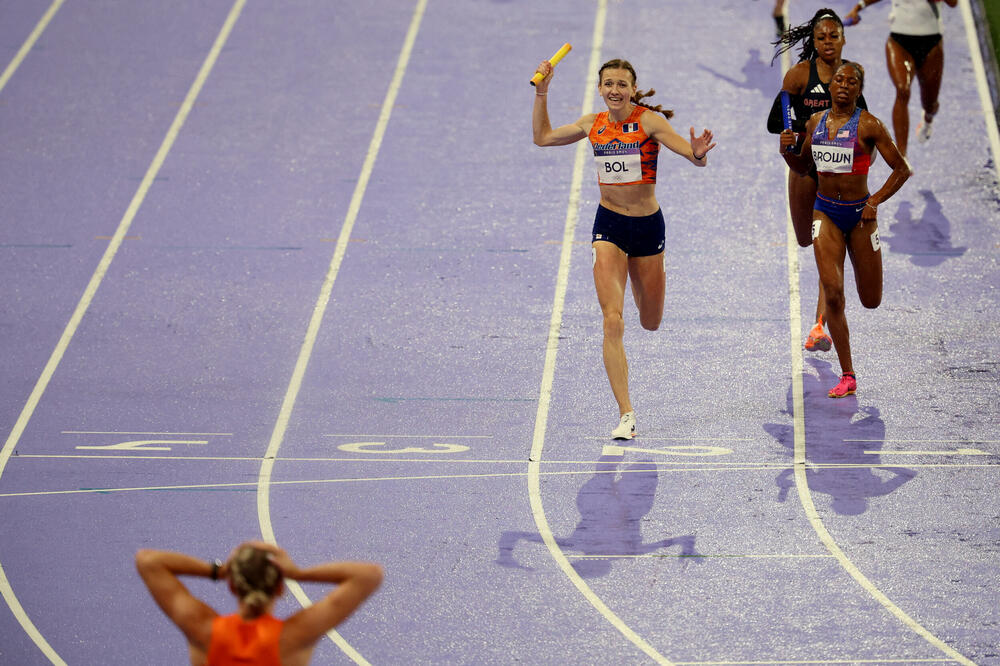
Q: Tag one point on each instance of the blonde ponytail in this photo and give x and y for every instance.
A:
(255, 578)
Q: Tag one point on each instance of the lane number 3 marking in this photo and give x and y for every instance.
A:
(379, 447)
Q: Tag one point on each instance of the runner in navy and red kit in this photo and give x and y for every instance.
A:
(840, 144)
(807, 84)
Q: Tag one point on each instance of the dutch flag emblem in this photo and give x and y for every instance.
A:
(630, 127)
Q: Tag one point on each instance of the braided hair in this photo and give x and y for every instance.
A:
(639, 95)
(804, 33)
(254, 578)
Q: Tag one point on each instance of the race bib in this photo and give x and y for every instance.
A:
(618, 169)
(833, 159)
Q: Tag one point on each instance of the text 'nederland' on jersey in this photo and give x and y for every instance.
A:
(623, 154)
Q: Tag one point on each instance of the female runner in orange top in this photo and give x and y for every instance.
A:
(628, 233)
(255, 572)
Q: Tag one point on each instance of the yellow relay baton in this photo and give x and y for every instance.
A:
(554, 60)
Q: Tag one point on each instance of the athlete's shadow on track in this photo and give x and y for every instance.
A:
(926, 239)
(757, 75)
(843, 440)
(612, 505)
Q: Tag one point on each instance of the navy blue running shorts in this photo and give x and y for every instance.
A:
(845, 214)
(636, 236)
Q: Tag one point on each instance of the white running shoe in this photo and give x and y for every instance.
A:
(924, 130)
(626, 427)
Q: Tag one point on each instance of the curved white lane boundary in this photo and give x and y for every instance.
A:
(984, 89)
(88, 296)
(5, 588)
(551, 349)
(29, 43)
(305, 351)
(799, 455)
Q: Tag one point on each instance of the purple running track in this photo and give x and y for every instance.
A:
(409, 438)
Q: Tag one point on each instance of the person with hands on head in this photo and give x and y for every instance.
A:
(255, 572)
(628, 235)
(841, 143)
(808, 86)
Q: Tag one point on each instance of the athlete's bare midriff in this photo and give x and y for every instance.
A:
(637, 200)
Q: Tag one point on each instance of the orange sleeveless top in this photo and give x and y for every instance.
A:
(239, 642)
(623, 153)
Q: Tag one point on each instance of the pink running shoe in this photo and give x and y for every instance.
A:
(847, 386)
(818, 340)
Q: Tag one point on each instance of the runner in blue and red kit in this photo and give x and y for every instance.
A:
(840, 143)
(807, 85)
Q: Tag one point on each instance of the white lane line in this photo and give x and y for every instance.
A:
(979, 72)
(29, 43)
(662, 465)
(760, 556)
(667, 438)
(929, 441)
(417, 436)
(816, 662)
(426, 477)
(799, 455)
(305, 352)
(552, 347)
(129, 432)
(956, 452)
(88, 296)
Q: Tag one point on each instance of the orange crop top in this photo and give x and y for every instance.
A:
(239, 642)
(623, 153)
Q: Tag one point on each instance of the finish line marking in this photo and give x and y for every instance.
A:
(957, 452)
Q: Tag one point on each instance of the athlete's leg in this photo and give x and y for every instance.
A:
(820, 304)
(648, 288)
(779, 16)
(929, 78)
(830, 249)
(866, 257)
(901, 69)
(610, 275)
(801, 197)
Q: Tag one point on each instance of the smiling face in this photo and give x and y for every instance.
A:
(828, 39)
(617, 87)
(845, 87)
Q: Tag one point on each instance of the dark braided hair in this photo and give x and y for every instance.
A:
(804, 34)
(639, 95)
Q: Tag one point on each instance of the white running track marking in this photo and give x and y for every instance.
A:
(91, 290)
(984, 91)
(28, 43)
(799, 456)
(305, 351)
(552, 347)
